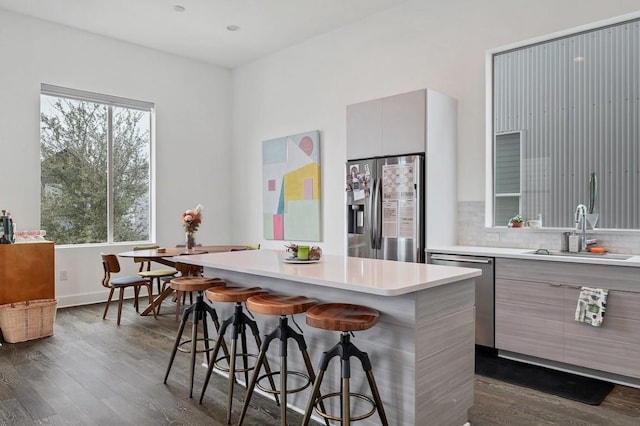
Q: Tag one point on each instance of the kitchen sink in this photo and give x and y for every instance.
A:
(545, 252)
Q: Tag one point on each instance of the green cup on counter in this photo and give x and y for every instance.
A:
(303, 252)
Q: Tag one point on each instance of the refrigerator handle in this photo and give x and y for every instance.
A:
(378, 237)
(372, 215)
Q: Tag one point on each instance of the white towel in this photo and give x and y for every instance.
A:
(592, 303)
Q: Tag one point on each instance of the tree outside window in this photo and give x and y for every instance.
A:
(95, 170)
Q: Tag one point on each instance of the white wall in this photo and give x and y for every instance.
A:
(192, 135)
(420, 44)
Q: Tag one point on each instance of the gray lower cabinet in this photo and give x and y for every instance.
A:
(613, 347)
(535, 307)
(529, 318)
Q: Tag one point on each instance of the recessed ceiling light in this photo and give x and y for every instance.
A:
(179, 8)
(233, 27)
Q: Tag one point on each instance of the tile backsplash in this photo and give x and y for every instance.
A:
(472, 232)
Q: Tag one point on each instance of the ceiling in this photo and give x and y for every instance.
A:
(200, 31)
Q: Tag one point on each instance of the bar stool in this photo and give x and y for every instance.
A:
(238, 322)
(199, 309)
(185, 270)
(281, 305)
(345, 318)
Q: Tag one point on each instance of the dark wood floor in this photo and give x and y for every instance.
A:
(92, 372)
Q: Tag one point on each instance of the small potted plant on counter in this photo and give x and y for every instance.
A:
(516, 221)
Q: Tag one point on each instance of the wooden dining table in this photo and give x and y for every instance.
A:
(166, 257)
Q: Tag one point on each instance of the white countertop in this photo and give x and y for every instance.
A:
(527, 254)
(382, 277)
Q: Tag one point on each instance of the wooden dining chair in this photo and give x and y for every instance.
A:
(147, 272)
(111, 266)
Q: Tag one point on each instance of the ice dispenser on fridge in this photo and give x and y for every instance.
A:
(355, 218)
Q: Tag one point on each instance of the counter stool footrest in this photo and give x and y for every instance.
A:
(352, 418)
(187, 349)
(218, 364)
(276, 391)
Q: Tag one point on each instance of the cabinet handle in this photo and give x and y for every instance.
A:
(555, 285)
(575, 286)
(461, 258)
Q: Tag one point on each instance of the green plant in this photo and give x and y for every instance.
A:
(593, 188)
(517, 218)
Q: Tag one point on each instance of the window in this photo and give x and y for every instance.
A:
(507, 176)
(95, 167)
(576, 98)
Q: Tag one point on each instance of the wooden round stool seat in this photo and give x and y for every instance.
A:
(232, 294)
(279, 304)
(342, 317)
(195, 283)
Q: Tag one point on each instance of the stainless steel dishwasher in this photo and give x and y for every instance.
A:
(485, 297)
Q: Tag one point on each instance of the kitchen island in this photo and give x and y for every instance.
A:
(422, 349)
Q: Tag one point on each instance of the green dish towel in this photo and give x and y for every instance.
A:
(591, 306)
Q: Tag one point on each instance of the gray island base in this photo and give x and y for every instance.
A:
(422, 350)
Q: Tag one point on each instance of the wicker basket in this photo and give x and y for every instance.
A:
(22, 321)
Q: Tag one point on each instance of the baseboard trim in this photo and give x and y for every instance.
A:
(83, 299)
(581, 371)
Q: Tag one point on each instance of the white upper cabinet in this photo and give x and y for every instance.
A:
(364, 129)
(387, 126)
(404, 123)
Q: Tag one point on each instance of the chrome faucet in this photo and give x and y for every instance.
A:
(581, 225)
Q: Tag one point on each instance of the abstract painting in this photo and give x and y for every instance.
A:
(291, 182)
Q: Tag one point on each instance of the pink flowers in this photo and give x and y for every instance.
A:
(192, 218)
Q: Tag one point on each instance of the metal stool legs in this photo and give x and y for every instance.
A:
(200, 309)
(345, 350)
(283, 332)
(238, 322)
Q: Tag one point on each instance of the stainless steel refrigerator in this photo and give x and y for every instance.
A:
(385, 208)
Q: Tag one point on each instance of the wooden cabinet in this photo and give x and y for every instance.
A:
(613, 347)
(26, 272)
(394, 125)
(535, 308)
(529, 318)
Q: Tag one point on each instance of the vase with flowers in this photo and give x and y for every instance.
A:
(191, 219)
